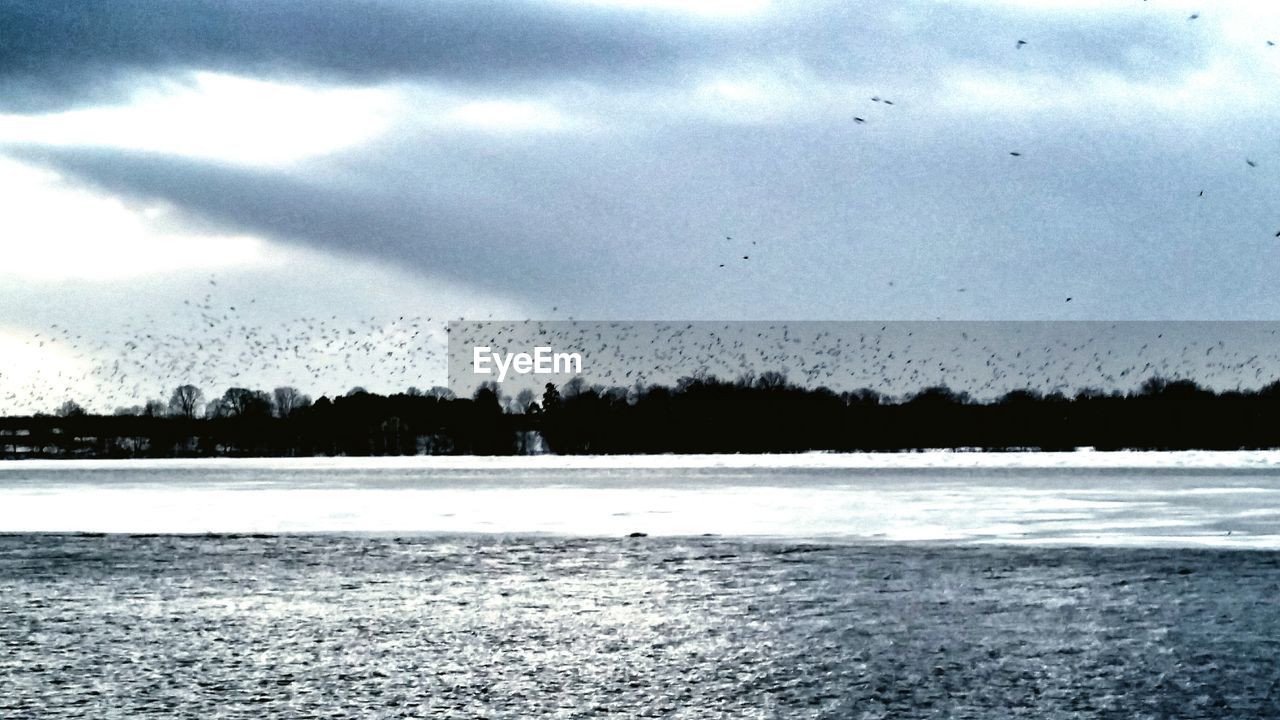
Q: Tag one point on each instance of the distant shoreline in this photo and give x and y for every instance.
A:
(701, 415)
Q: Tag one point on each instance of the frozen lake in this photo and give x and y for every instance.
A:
(1190, 499)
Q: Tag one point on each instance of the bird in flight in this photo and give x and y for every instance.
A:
(859, 120)
(1021, 43)
(1016, 154)
(1251, 163)
(1194, 16)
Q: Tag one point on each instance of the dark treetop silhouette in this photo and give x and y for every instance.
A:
(697, 415)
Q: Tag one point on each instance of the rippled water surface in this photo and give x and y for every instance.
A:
(123, 626)
(1084, 585)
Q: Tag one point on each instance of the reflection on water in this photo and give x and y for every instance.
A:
(531, 627)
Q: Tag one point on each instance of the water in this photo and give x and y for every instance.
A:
(1089, 586)
(511, 627)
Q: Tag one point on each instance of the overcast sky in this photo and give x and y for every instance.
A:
(604, 158)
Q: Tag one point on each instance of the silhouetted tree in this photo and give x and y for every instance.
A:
(152, 408)
(573, 387)
(245, 403)
(287, 400)
(550, 398)
(698, 414)
(70, 409)
(441, 393)
(771, 380)
(487, 395)
(215, 409)
(186, 401)
(524, 402)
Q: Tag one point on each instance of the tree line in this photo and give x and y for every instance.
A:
(763, 413)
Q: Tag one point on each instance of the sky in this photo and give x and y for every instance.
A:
(301, 193)
(982, 359)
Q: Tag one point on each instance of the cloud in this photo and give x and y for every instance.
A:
(505, 116)
(444, 223)
(60, 55)
(54, 231)
(619, 158)
(64, 54)
(598, 151)
(705, 8)
(216, 117)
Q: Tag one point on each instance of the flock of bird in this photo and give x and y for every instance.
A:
(985, 360)
(1018, 45)
(213, 343)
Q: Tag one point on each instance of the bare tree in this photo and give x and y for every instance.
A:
(242, 402)
(70, 408)
(488, 395)
(186, 401)
(440, 393)
(771, 380)
(575, 386)
(287, 400)
(215, 409)
(153, 408)
(524, 399)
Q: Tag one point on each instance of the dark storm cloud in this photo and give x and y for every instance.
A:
(58, 53)
(921, 211)
(55, 54)
(835, 220)
(429, 230)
